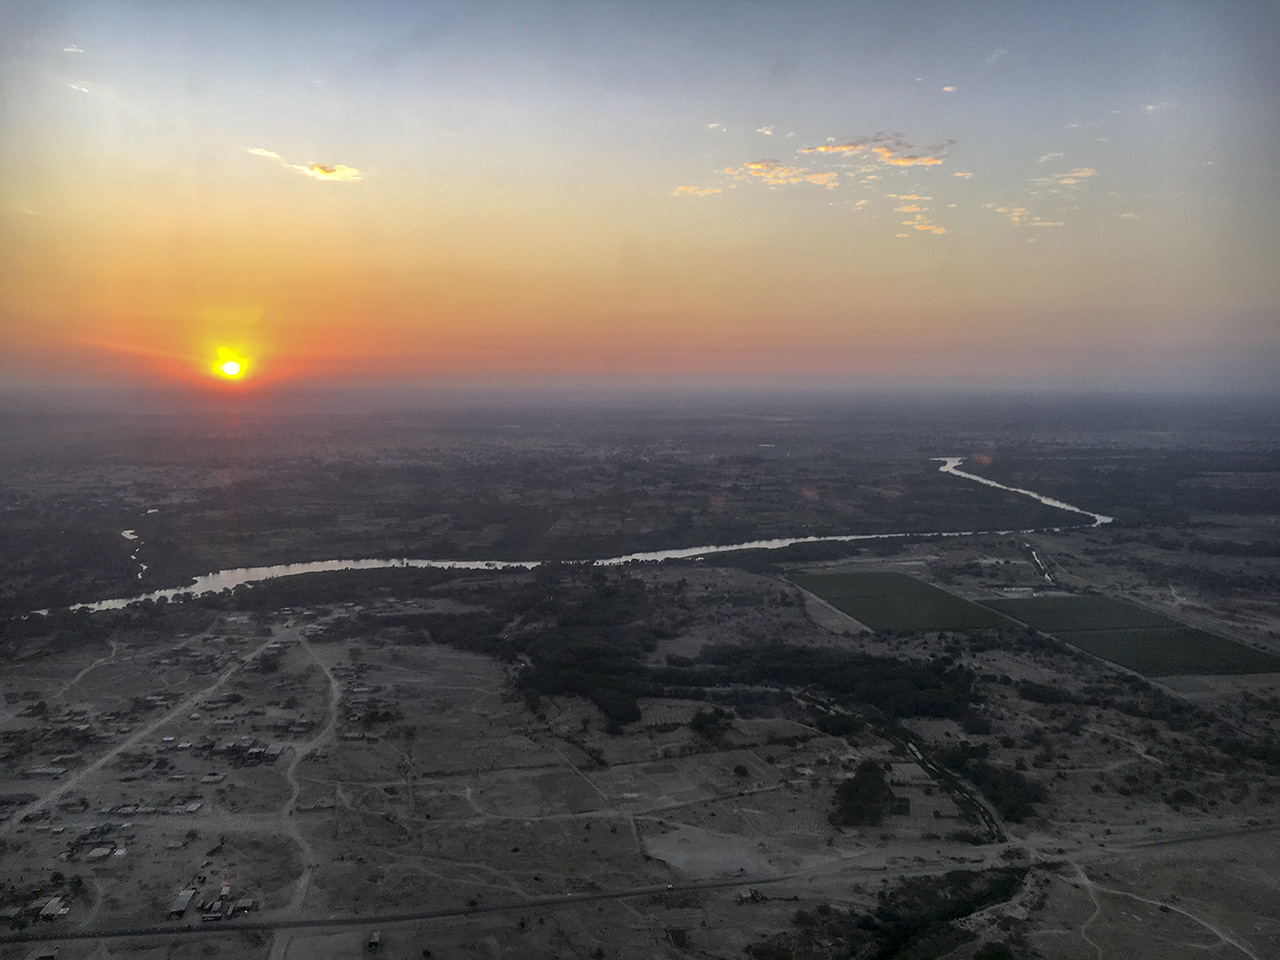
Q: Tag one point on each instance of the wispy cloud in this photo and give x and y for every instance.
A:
(892, 150)
(1077, 175)
(775, 173)
(964, 174)
(338, 173)
(1022, 215)
(80, 87)
(948, 89)
(695, 191)
(74, 48)
(922, 223)
(996, 54)
(767, 131)
(1048, 156)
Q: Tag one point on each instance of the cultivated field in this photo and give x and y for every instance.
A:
(895, 601)
(1147, 642)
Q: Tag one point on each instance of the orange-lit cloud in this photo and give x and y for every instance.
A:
(695, 191)
(776, 173)
(1076, 175)
(921, 222)
(339, 173)
(1016, 214)
(891, 150)
(909, 160)
(965, 174)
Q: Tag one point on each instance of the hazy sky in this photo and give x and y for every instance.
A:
(862, 193)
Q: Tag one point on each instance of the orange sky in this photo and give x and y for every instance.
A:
(459, 210)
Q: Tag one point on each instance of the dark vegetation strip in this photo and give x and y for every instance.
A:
(918, 919)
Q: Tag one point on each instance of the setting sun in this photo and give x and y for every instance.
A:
(229, 364)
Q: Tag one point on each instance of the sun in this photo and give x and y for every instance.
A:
(229, 364)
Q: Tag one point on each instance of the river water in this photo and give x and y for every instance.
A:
(228, 579)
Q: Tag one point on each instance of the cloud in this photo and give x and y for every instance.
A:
(1127, 216)
(948, 89)
(908, 161)
(894, 150)
(695, 191)
(921, 222)
(81, 87)
(74, 48)
(1075, 176)
(775, 173)
(339, 173)
(965, 174)
(996, 54)
(909, 208)
(712, 126)
(767, 131)
(1049, 156)
(1016, 214)
(1023, 215)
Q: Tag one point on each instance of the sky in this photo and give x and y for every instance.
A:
(988, 195)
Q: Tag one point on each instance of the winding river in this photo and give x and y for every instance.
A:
(228, 579)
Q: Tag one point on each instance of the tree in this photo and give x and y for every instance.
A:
(863, 799)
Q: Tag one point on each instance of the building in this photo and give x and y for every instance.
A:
(180, 904)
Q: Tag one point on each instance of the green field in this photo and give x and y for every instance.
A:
(1135, 638)
(895, 601)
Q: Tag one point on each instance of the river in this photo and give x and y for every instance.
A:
(228, 579)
